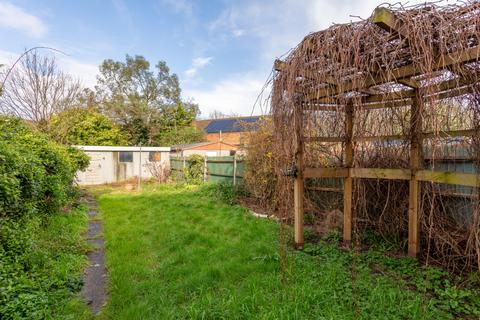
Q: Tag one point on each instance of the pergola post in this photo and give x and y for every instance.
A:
(416, 163)
(298, 184)
(348, 182)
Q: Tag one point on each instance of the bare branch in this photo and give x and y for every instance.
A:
(36, 89)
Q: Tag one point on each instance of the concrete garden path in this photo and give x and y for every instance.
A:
(96, 273)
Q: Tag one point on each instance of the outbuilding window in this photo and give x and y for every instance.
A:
(126, 156)
(154, 156)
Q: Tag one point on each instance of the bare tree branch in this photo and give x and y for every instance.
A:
(36, 89)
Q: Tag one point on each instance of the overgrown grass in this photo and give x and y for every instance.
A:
(177, 252)
(43, 282)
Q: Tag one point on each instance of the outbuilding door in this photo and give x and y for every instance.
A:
(93, 174)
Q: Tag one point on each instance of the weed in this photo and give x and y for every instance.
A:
(40, 273)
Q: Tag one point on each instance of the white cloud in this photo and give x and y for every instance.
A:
(228, 20)
(236, 94)
(197, 64)
(84, 71)
(280, 25)
(276, 26)
(238, 32)
(16, 18)
(7, 57)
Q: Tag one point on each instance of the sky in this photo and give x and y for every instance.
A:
(223, 51)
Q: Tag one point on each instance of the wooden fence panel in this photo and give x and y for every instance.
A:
(216, 169)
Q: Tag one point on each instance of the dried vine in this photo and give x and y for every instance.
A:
(365, 64)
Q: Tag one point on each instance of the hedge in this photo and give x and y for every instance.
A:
(36, 174)
(36, 181)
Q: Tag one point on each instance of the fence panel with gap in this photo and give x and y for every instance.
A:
(216, 169)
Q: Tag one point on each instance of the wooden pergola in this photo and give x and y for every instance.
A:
(326, 91)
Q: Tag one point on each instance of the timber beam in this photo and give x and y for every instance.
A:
(387, 20)
(397, 74)
(443, 177)
(437, 91)
(394, 137)
(401, 75)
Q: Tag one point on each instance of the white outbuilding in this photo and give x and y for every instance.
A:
(115, 164)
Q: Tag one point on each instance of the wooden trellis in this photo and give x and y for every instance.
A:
(314, 92)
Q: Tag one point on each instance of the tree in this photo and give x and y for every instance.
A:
(85, 126)
(144, 103)
(180, 135)
(36, 89)
(217, 114)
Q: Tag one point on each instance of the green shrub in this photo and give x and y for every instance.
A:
(36, 174)
(226, 191)
(85, 126)
(193, 171)
(179, 135)
(40, 265)
(36, 181)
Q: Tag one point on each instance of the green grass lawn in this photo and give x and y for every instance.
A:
(176, 252)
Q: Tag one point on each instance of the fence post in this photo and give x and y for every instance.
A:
(205, 169)
(184, 159)
(235, 169)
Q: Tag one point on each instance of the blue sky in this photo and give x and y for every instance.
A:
(223, 51)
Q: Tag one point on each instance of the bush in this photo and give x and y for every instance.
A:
(36, 181)
(260, 178)
(226, 192)
(40, 265)
(159, 171)
(36, 174)
(193, 171)
(85, 126)
(180, 135)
